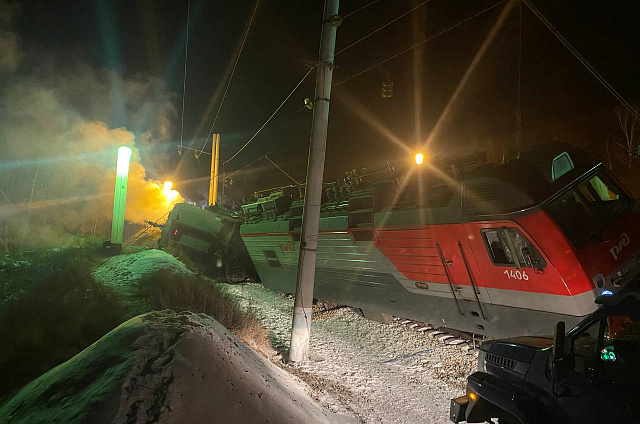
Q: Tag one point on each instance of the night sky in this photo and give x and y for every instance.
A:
(560, 99)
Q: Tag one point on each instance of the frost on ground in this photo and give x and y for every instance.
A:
(370, 368)
(166, 367)
(123, 272)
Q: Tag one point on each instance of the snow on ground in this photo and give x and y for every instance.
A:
(166, 367)
(123, 273)
(383, 373)
(122, 270)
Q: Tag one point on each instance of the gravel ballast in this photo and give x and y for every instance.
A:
(381, 373)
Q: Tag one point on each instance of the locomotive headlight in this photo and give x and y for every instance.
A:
(419, 158)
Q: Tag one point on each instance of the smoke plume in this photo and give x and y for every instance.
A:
(61, 122)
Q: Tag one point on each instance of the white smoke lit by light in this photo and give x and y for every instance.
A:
(61, 123)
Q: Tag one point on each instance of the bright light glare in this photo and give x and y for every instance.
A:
(124, 156)
(607, 293)
(170, 194)
(419, 158)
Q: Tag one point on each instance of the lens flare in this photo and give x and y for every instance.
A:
(419, 158)
(169, 194)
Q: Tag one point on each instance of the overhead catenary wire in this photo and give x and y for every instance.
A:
(359, 9)
(272, 133)
(271, 116)
(224, 95)
(317, 65)
(282, 170)
(581, 59)
(397, 18)
(244, 167)
(431, 37)
(184, 80)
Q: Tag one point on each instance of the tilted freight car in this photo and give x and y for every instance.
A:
(496, 250)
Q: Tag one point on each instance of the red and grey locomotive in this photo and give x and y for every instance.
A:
(497, 250)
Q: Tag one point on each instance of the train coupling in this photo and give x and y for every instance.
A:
(458, 409)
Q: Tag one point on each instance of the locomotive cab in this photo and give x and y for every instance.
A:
(550, 232)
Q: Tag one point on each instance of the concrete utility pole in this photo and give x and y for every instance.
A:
(213, 180)
(299, 347)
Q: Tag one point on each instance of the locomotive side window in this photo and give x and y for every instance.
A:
(508, 247)
(272, 258)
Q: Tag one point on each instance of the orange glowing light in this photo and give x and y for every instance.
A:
(419, 158)
(169, 194)
(473, 396)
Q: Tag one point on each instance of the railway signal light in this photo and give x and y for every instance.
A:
(387, 88)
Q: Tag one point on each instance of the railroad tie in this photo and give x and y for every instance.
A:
(455, 342)
(445, 337)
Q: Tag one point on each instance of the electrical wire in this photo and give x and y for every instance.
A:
(581, 59)
(184, 81)
(359, 9)
(379, 29)
(272, 133)
(282, 170)
(246, 166)
(270, 117)
(224, 95)
(420, 43)
(320, 63)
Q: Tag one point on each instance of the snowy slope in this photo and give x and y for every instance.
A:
(166, 367)
(123, 270)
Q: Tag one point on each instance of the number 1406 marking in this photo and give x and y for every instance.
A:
(516, 275)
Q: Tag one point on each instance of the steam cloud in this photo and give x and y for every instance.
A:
(59, 143)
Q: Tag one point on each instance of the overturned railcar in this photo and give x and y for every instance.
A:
(210, 238)
(496, 250)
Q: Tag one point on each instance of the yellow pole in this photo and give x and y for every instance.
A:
(213, 182)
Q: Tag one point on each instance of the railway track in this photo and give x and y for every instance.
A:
(462, 340)
(459, 339)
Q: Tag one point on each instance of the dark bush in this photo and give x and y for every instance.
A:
(183, 292)
(54, 311)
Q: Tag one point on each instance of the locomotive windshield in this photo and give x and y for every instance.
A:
(587, 209)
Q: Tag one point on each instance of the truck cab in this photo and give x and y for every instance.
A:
(590, 374)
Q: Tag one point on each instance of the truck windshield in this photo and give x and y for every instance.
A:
(587, 209)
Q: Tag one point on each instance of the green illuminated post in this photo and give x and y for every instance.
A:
(120, 198)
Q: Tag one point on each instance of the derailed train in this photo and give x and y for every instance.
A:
(495, 250)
